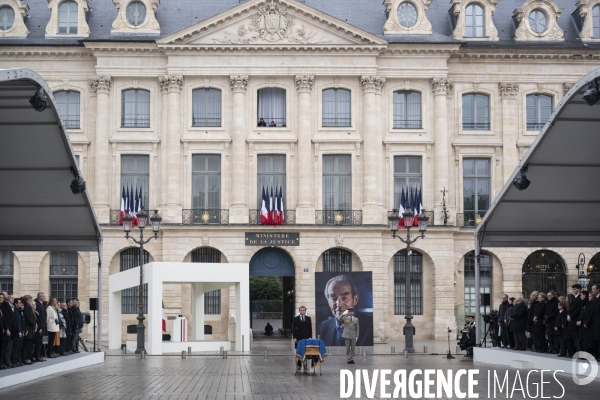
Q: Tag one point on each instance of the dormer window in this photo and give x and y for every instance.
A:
(67, 17)
(7, 18)
(474, 21)
(136, 13)
(407, 14)
(538, 21)
(136, 17)
(407, 17)
(596, 22)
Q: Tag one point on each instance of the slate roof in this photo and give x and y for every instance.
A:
(368, 15)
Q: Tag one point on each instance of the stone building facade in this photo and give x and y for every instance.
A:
(432, 104)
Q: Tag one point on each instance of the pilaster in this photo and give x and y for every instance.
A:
(510, 156)
(238, 213)
(305, 210)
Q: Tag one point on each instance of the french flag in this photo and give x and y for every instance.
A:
(281, 213)
(270, 209)
(276, 212)
(123, 206)
(264, 213)
(417, 206)
(401, 209)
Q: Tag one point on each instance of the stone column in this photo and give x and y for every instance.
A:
(164, 134)
(239, 176)
(440, 87)
(510, 155)
(101, 85)
(305, 210)
(173, 85)
(373, 150)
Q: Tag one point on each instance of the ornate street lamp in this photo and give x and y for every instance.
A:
(409, 217)
(142, 217)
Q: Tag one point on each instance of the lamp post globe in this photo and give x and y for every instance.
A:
(156, 219)
(393, 220)
(423, 221)
(127, 221)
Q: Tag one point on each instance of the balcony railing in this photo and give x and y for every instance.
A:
(205, 216)
(206, 122)
(410, 123)
(290, 217)
(535, 126)
(338, 217)
(333, 122)
(430, 215)
(476, 126)
(272, 122)
(115, 216)
(468, 219)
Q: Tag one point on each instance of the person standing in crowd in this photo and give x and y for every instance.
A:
(573, 313)
(583, 300)
(66, 341)
(66, 310)
(9, 329)
(587, 337)
(531, 310)
(52, 327)
(350, 333)
(518, 324)
(42, 323)
(502, 321)
(550, 317)
(302, 329)
(3, 341)
(62, 325)
(511, 337)
(576, 288)
(31, 328)
(594, 320)
(78, 324)
(539, 323)
(560, 324)
(18, 334)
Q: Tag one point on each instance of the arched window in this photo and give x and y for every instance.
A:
(485, 284)
(63, 275)
(337, 260)
(130, 258)
(7, 271)
(538, 21)
(539, 109)
(474, 21)
(136, 13)
(67, 17)
(476, 112)
(135, 108)
(543, 271)
(206, 107)
(7, 18)
(416, 282)
(212, 300)
(271, 107)
(336, 107)
(596, 22)
(68, 106)
(407, 109)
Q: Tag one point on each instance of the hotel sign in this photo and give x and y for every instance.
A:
(272, 239)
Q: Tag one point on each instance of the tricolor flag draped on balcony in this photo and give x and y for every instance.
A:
(401, 209)
(264, 213)
(281, 212)
(122, 209)
(417, 206)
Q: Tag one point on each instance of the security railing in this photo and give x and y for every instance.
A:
(115, 217)
(289, 217)
(338, 217)
(468, 219)
(205, 216)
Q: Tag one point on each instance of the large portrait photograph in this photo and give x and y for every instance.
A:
(336, 292)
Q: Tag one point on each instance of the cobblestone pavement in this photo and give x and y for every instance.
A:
(246, 377)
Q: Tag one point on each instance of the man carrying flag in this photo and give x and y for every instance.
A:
(264, 214)
(281, 213)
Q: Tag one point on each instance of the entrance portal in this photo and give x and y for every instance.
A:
(543, 271)
(277, 263)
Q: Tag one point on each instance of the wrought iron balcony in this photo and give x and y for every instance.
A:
(115, 216)
(205, 216)
(337, 122)
(476, 126)
(409, 123)
(430, 215)
(535, 126)
(272, 122)
(338, 217)
(468, 219)
(206, 121)
(290, 217)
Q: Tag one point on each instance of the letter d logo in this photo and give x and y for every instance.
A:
(584, 372)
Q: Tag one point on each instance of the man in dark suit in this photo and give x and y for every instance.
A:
(593, 321)
(341, 294)
(302, 329)
(42, 317)
(8, 313)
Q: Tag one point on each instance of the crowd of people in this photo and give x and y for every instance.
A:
(550, 323)
(26, 323)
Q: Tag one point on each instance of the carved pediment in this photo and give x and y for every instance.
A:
(264, 22)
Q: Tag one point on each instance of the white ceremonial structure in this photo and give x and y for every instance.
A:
(203, 278)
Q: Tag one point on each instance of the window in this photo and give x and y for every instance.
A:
(407, 110)
(67, 17)
(130, 258)
(135, 176)
(136, 13)
(476, 112)
(407, 175)
(7, 18)
(206, 107)
(407, 14)
(538, 21)
(337, 260)
(212, 300)
(271, 175)
(474, 21)
(271, 107)
(596, 22)
(539, 109)
(135, 109)
(337, 182)
(206, 182)
(416, 283)
(7, 270)
(63, 275)
(485, 284)
(476, 189)
(336, 107)
(68, 107)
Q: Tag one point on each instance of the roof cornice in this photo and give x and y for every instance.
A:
(168, 48)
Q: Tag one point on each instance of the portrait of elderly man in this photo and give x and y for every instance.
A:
(342, 293)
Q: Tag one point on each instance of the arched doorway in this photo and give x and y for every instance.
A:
(485, 284)
(416, 282)
(593, 271)
(270, 263)
(543, 271)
